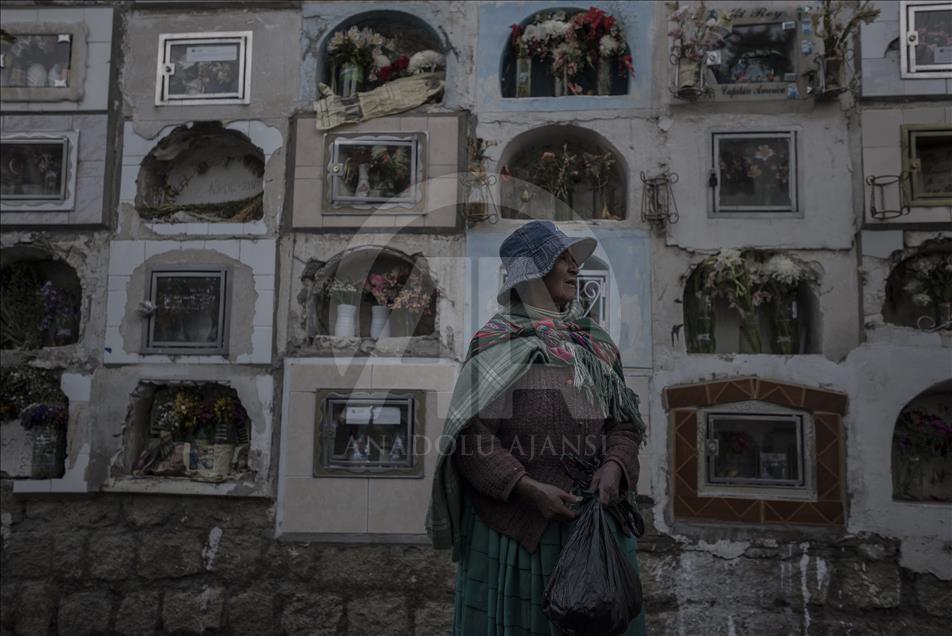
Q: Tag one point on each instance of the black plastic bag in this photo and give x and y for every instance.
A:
(594, 589)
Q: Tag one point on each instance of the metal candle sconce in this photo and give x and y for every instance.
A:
(877, 186)
(480, 205)
(658, 205)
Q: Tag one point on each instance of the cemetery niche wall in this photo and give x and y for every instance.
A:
(918, 290)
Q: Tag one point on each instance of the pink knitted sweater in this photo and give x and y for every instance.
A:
(524, 432)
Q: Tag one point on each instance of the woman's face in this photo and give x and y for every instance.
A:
(562, 282)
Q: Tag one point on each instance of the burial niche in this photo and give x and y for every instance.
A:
(41, 300)
(919, 288)
(202, 173)
(922, 447)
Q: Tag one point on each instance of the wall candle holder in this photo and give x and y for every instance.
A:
(877, 192)
(480, 205)
(658, 205)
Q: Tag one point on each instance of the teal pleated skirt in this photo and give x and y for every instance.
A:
(499, 584)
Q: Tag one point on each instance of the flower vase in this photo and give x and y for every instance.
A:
(830, 76)
(690, 78)
(36, 76)
(222, 455)
(379, 321)
(945, 316)
(786, 328)
(523, 76)
(346, 324)
(704, 328)
(604, 77)
(363, 180)
(561, 86)
(49, 451)
(750, 334)
(351, 79)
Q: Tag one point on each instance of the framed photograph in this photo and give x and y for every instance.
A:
(363, 434)
(188, 311)
(757, 53)
(38, 171)
(371, 170)
(42, 62)
(755, 172)
(925, 29)
(204, 68)
(927, 158)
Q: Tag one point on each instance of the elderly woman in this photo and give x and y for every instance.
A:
(540, 380)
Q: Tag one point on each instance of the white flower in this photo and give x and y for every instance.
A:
(608, 46)
(424, 61)
(728, 257)
(783, 269)
(553, 29)
(925, 264)
(913, 286)
(922, 299)
(533, 32)
(380, 61)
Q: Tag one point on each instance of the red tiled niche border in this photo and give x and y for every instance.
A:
(827, 408)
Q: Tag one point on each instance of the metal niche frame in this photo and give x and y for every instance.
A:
(658, 205)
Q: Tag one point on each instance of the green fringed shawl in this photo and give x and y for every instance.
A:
(499, 354)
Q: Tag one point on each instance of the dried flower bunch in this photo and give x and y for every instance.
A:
(827, 18)
(923, 441)
(569, 43)
(930, 279)
(697, 30)
(33, 396)
(196, 413)
(415, 296)
(35, 314)
(558, 171)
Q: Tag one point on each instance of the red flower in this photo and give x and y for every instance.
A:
(626, 64)
(515, 34)
(384, 73)
(401, 63)
(505, 173)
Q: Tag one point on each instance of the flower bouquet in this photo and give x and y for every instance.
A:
(930, 284)
(782, 277)
(355, 52)
(602, 42)
(415, 298)
(384, 288)
(922, 441)
(696, 31)
(33, 396)
(734, 276)
(35, 314)
(827, 19)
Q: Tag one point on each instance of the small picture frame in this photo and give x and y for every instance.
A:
(186, 311)
(755, 172)
(38, 171)
(204, 68)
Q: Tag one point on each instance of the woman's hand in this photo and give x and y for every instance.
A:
(549, 499)
(606, 482)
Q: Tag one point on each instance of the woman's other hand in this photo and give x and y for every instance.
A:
(550, 500)
(606, 482)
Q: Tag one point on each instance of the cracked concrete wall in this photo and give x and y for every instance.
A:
(140, 138)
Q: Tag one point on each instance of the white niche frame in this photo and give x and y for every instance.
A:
(164, 68)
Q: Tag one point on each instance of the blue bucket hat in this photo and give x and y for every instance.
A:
(531, 252)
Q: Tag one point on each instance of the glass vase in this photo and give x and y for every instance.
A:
(690, 78)
(49, 451)
(351, 79)
(750, 341)
(786, 327)
(704, 341)
(523, 76)
(604, 76)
